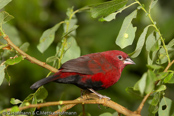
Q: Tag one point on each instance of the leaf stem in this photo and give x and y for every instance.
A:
(154, 25)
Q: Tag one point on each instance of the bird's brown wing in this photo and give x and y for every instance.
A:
(88, 64)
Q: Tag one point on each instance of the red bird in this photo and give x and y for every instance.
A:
(91, 72)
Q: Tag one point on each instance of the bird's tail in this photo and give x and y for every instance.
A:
(43, 81)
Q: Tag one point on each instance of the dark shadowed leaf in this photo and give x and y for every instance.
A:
(132, 92)
(106, 8)
(3, 3)
(2, 73)
(127, 32)
(47, 38)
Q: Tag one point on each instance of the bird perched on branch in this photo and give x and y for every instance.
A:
(91, 72)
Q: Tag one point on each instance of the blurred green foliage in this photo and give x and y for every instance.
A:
(33, 17)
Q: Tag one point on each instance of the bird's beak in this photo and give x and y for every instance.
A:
(128, 61)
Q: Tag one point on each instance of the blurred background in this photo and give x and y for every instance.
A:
(33, 17)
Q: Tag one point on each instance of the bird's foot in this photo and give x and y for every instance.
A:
(99, 95)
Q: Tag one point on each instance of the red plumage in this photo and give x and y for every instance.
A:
(94, 71)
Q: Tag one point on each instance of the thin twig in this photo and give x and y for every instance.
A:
(28, 57)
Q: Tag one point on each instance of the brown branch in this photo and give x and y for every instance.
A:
(168, 66)
(138, 111)
(146, 97)
(84, 100)
(28, 57)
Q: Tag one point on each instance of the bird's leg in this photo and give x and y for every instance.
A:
(99, 95)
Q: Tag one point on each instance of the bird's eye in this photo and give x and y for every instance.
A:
(120, 57)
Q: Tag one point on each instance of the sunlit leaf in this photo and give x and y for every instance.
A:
(166, 107)
(2, 73)
(3, 3)
(24, 47)
(51, 59)
(140, 43)
(106, 114)
(5, 17)
(14, 60)
(47, 38)
(14, 109)
(141, 84)
(127, 32)
(15, 101)
(152, 4)
(106, 8)
(150, 41)
(72, 50)
(161, 88)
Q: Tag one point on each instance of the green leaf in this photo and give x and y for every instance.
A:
(150, 41)
(161, 88)
(51, 59)
(166, 107)
(140, 43)
(24, 47)
(109, 18)
(14, 60)
(170, 44)
(150, 81)
(132, 92)
(3, 3)
(72, 50)
(161, 75)
(154, 66)
(141, 84)
(168, 78)
(152, 4)
(14, 109)
(2, 73)
(106, 114)
(34, 101)
(47, 38)
(86, 114)
(41, 94)
(5, 17)
(127, 31)
(106, 8)
(152, 110)
(156, 99)
(15, 101)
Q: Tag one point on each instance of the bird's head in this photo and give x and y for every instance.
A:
(119, 58)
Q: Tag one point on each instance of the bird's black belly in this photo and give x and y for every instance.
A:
(76, 80)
